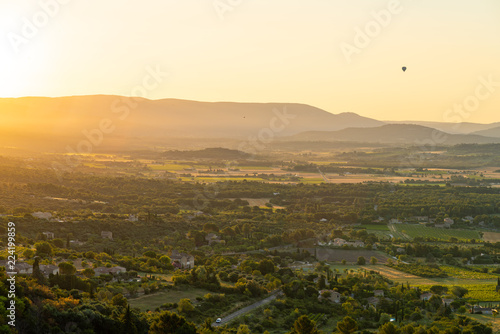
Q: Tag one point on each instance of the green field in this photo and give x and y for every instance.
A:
(374, 227)
(152, 301)
(462, 273)
(484, 318)
(458, 276)
(410, 231)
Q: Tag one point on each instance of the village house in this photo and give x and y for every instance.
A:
(132, 218)
(48, 269)
(107, 234)
(378, 293)
(449, 221)
(76, 243)
(482, 310)
(357, 243)
(339, 242)
(447, 301)
(109, 270)
(373, 300)
(48, 235)
(426, 296)
(334, 296)
(42, 215)
(325, 281)
(468, 219)
(182, 260)
(19, 267)
(214, 238)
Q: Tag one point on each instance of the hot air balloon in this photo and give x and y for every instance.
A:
(404, 68)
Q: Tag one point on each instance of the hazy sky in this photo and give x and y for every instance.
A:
(305, 51)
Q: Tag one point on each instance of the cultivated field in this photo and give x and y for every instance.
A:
(399, 276)
(480, 285)
(152, 301)
(410, 231)
(491, 236)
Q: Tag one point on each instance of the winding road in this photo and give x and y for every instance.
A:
(247, 309)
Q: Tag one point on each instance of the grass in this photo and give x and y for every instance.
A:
(457, 272)
(152, 301)
(476, 283)
(410, 231)
(374, 227)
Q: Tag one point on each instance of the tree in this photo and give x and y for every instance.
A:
(459, 291)
(67, 268)
(361, 261)
(168, 322)
(43, 248)
(165, 259)
(304, 325)
(88, 272)
(347, 326)
(128, 322)
(266, 267)
(37, 273)
(119, 300)
(438, 289)
(59, 243)
(28, 253)
(388, 328)
(150, 254)
(185, 306)
(243, 329)
(373, 260)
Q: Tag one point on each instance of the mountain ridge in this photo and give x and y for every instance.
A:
(394, 134)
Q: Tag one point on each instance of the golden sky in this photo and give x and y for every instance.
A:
(339, 55)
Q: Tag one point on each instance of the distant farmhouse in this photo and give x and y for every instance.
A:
(109, 270)
(182, 260)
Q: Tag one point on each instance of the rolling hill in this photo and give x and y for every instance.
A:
(452, 128)
(168, 117)
(393, 134)
(124, 123)
(492, 132)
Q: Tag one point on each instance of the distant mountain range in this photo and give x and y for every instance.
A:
(170, 117)
(395, 134)
(126, 122)
(453, 128)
